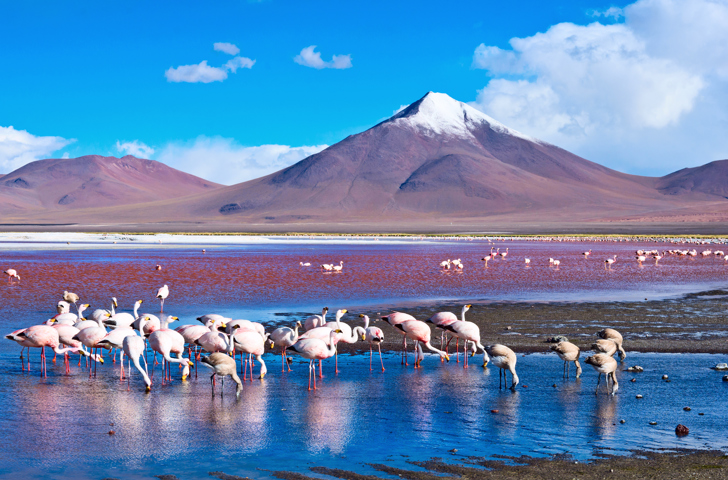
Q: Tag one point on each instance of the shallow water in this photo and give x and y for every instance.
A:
(255, 281)
(58, 427)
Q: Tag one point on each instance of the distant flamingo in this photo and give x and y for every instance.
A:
(327, 267)
(339, 267)
(528, 261)
(608, 262)
(486, 259)
(556, 263)
(11, 273)
(162, 294)
(504, 254)
(307, 264)
(586, 254)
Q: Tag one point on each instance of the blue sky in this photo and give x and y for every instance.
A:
(90, 77)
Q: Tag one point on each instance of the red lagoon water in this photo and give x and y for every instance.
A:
(254, 278)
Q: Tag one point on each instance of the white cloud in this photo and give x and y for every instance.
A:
(611, 12)
(18, 147)
(199, 73)
(136, 148)
(228, 48)
(66, 155)
(605, 91)
(238, 62)
(309, 58)
(223, 160)
(204, 73)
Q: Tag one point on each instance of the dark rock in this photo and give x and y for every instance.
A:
(557, 339)
(681, 430)
(687, 409)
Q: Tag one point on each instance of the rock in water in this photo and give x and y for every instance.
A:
(721, 366)
(636, 368)
(681, 430)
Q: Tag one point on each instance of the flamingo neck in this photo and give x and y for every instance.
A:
(462, 315)
(113, 312)
(142, 323)
(231, 342)
(366, 322)
(136, 310)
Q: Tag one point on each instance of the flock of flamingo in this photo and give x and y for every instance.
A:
(221, 339)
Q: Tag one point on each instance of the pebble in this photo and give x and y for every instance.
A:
(725, 378)
(687, 409)
(111, 432)
(454, 450)
(701, 413)
(623, 421)
(721, 366)
(638, 396)
(665, 377)
(633, 380)
(554, 385)
(508, 328)
(494, 411)
(636, 368)
(681, 430)
(653, 423)
(668, 381)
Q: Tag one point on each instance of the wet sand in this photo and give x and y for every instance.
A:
(642, 465)
(694, 323)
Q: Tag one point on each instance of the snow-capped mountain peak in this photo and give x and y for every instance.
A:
(438, 113)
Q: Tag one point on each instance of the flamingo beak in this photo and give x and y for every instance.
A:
(184, 378)
(363, 337)
(262, 375)
(149, 388)
(223, 325)
(101, 360)
(447, 357)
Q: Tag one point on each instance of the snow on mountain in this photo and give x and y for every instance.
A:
(440, 114)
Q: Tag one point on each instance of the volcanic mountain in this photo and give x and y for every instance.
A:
(93, 181)
(710, 179)
(437, 158)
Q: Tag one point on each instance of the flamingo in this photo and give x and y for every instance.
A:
(469, 332)
(528, 261)
(316, 320)
(250, 343)
(124, 319)
(100, 313)
(63, 307)
(420, 333)
(607, 365)
(504, 254)
(394, 319)
(443, 320)
(71, 318)
(327, 267)
(41, 336)
(505, 359)
(23, 342)
(11, 273)
(285, 337)
(608, 262)
(568, 352)
(640, 259)
(307, 264)
(90, 336)
(71, 297)
(214, 340)
(339, 267)
(162, 294)
(65, 336)
(314, 349)
(445, 264)
(606, 346)
(586, 254)
(485, 259)
(374, 336)
(165, 342)
(134, 346)
(115, 339)
(612, 334)
(556, 263)
(223, 365)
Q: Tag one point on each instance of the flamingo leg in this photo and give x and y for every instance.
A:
(370, 358)
(321, 373)
(599, 377)
(250, 357)
(212, 382)
(380, 355)
(310, 366)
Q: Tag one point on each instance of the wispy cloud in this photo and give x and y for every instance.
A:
(612, 12)
(18, 147)
(310, 58)
(225, 161)
(136, 148)
(204, 73)
(228, 48)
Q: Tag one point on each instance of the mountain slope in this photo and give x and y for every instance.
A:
(710, 179)
(438, 157)
(94, 181)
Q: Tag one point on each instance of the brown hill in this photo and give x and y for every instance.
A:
(711, 179)
(93, 181)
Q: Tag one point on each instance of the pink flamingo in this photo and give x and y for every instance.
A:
(66, 334)
(375, 336)
(134, 348)
(23, 342)
(443, 320)
(250, 343)
(285, 337)
(165, 342)
(162, 294)
(394, 319)
(420, 333)
(314, 349)
(11, 273)
(41, 336)
(316, 320)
